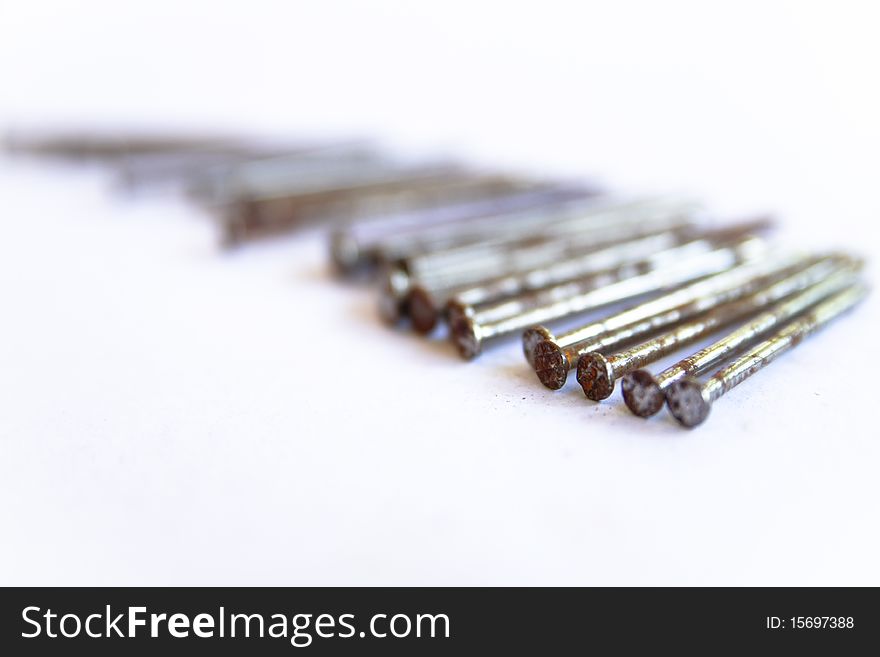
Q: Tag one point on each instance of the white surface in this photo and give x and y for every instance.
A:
(170, 414)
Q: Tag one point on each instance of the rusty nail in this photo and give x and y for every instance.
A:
(690, 402)
(597, 373)
(470, 330)
(553, 356)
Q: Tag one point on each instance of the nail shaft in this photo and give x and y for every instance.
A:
(597, 373)
(557, 239)
(255, 216)
(471, 331)
(111, 146)
(427, 301)
(364, 245)
(644, 393)
(263, 174)
(581, 222)
(690, 402)
(553, 356)
(487, 226)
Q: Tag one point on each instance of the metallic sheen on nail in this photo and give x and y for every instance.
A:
(690, 402)
(597, 373)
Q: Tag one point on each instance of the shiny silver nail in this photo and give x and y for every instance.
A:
(365, 244)
(558, 238)
(583, 222)
(426, 302)
(690, 402)
(597, 373)
(470, 330)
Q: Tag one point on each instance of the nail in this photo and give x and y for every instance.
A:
(537, 235)
(581, 221)
(296, 201)
(427, 302)
(471, 331)
(111, 146)
(144, 171)
(214, 175)
(366, 244)
(465, 266)
(393, 287)
(273, 169)
(597, 373)
(553, 356)
(644, 393)
(348, 190)
(690, 402)
(643, 250)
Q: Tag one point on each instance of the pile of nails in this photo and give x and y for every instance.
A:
(626, 281)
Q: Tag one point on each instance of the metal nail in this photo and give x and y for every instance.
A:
(269, 169)
(427, 302)
(644, 393)
(581, 221)
(469, 332)
(645, 246)
(365, 244)
(690, 402)
(553, 356)
(112, 146)
(558, 238)
(274, 211)
(597, 373)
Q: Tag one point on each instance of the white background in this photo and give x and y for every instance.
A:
(170, 414)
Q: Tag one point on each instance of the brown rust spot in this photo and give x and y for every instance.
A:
(551, 365)
(596, 376)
